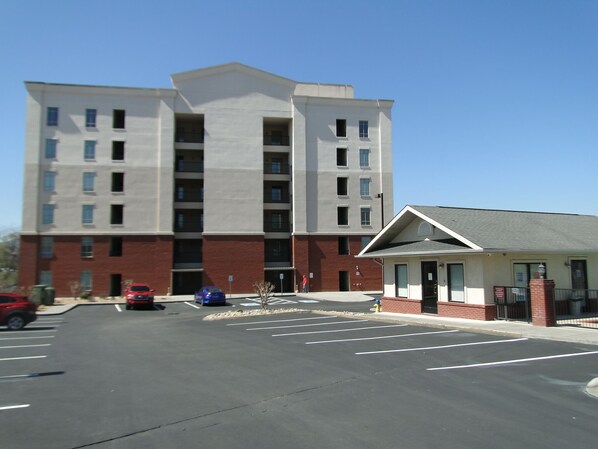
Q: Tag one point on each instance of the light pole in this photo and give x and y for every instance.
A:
(381, 196)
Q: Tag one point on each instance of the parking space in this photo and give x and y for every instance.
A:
(454, 349)
(23, 357)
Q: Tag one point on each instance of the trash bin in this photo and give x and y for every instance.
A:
(38, 294)
(49, 296)
(575, 306)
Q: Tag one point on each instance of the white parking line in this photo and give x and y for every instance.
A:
(192, 305)
(429, 348)
(27, 338)
(305, 325)
(28, 331)
(118, 307)
(509, 362)
(24, 358)
(340, 330)
(381, 337)
(11, 407)
(327, 317)
(25, 346)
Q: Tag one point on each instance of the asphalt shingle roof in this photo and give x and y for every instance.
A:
(494, 230)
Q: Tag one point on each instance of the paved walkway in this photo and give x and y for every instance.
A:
(509, 328)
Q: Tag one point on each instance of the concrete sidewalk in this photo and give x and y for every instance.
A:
(570, 334)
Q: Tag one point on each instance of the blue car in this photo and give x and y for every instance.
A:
(210, 295)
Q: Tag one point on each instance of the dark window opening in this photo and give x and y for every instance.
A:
(118, 150)
(341, 157)
(118, 182)
(343, 246)
(341, 128)
(341, 186)
(116, 214)
(118, 118)
(116, 247)
(343, 215)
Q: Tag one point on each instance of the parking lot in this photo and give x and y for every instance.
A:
(103, 377)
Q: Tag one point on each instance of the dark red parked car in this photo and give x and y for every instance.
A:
(139, 295)
(16, 311)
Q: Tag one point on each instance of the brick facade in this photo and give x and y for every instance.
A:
(144, 259)
(542, 302)
(239, 256)
(483, 312)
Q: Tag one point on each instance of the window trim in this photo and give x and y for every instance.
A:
(364, 134)
(91, 113)
(87, 214)
(449, 281)
(50, 149)
(398, 287)
(49, 182)
(89, 146)
(368, 153)
(52, 116)
(87, 247)
(367, 209)
(367, 182)
(88, 181)
(48, 213)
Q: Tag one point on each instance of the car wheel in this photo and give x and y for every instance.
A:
(15, 323)
(128, 307)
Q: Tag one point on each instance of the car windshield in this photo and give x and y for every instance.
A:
(213, 290)
(140, 288)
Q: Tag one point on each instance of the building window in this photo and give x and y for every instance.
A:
(86, 246)
(85, 281)
(89, 150)
(364, 158)
(276, 193)
(118, 150)
(87, 214)
(401, 286)
(89, 181)
(341, 128)
(49, 181)
(341, 157)
(341, 186)
(364, 186)
(343, 246)
(90, 118)
(48, 214)
(118, 119)
(116, 214)
(45, 278)
(50, 149)
(116, 247)
(456, 282)
(365, 241)
(342, 213)
(118, 183)
(363, 129)
(366, 216)
(52, 116)
(47, 247)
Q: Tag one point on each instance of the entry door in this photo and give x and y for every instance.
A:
(115, 284)
(579, 275)
(429, 287)
(343, 281)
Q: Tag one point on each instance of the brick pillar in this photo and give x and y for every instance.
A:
(542, 302)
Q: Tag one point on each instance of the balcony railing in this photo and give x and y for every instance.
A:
(277, 169)
(189, 226)
(189, 167)
(277, 198)
(189, 196)
(512, 303)
(277, 226)
(189, 137)
(276, 139)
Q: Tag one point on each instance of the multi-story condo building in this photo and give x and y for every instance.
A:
(233, 176)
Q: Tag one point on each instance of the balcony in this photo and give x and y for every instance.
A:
(189, 137)
(277, 197)
(188, 195)
(276, 225)
(276, 168)
(183, 166)
(276, 139)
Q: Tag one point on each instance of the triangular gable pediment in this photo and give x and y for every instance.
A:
(410, 227)
(235, 86)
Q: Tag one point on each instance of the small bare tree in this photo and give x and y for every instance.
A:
(264, 290)
(75, 288)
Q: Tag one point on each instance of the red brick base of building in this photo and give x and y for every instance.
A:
(485, 312)
(328, 263)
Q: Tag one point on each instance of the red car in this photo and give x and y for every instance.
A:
(16, 311)
(139, 295)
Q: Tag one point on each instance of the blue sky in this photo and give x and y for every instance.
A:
(496, 101)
